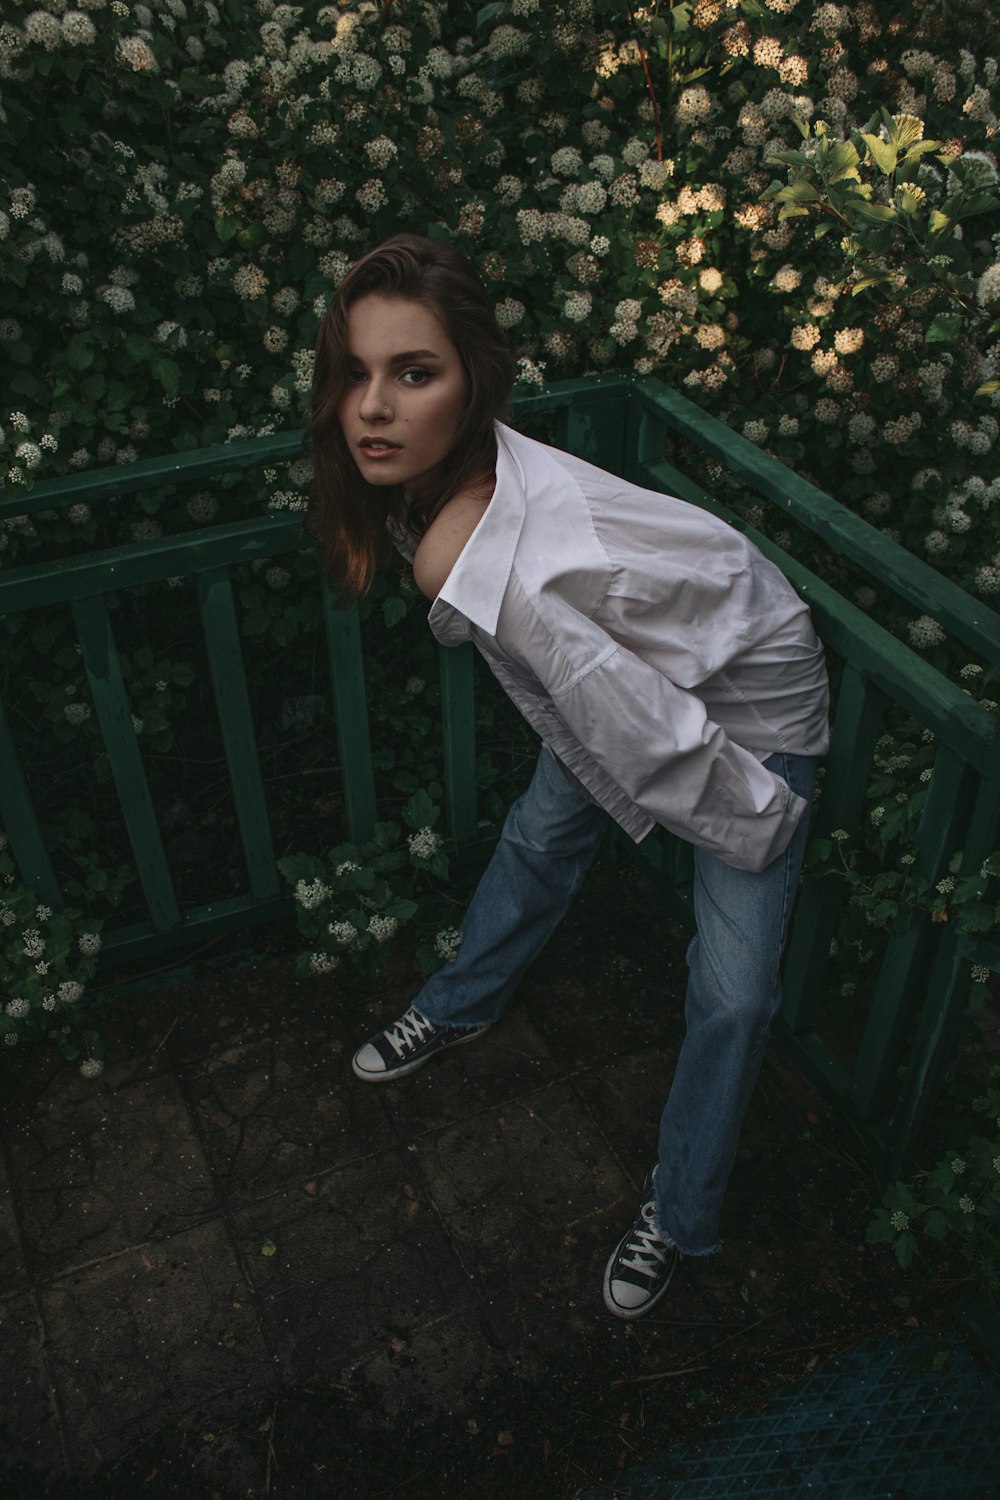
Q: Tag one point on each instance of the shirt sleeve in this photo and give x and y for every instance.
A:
(656, 741)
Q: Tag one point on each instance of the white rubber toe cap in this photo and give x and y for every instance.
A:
(368, 1062)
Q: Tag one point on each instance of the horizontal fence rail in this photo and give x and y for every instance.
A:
(630, 427)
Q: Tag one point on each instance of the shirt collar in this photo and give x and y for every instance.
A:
(476, 585)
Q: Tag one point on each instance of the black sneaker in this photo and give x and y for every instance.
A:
(640, 1269)
(405, 1046)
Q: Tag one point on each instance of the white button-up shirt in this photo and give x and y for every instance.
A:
(653, 648)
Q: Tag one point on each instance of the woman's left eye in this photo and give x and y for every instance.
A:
(416, 376)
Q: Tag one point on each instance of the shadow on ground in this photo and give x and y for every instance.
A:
(228, 1269)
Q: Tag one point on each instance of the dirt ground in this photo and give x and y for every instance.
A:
(415, 1271)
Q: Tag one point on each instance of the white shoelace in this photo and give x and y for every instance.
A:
(650, 1250)
(408, 1031)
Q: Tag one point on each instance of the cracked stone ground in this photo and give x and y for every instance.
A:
(229, 1269)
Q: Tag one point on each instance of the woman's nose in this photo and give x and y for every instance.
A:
(374, 405)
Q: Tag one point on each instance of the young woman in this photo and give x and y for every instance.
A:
(671, 672)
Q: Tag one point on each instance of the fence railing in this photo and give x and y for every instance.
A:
(632, 427)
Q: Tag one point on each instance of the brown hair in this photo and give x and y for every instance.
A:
(349, 517)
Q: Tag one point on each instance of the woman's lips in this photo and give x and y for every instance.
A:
(377, 448)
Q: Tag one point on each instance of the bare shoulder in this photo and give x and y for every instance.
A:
(445, 538)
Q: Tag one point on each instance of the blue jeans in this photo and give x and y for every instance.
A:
(549, 841)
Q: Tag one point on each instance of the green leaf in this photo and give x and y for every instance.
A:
(876, 279)
(874, 213)
(93, 387)
(79, 354)
(138, 346)
(489, 13)
(26, 384)
(799, 191)
(787, 159)
(984, 204)
(680, 17)
(943, 328)
(420, 811)
(168, 373)
(393, 609)
(987, 388)
(843, 161)
(917, 150)
(884, 155)
(939, 221)
(977, 916)
(905, 1248)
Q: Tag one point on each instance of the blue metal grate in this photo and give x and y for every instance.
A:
(876, 1424)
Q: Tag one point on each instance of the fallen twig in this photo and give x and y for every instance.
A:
(691, 1369)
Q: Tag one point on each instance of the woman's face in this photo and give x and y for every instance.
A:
(406, 391)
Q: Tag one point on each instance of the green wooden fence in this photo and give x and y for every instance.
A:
(641, 429)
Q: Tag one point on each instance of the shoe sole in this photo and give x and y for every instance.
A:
(405, 1069)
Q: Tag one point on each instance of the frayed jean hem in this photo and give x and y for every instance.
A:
(454, 1025)
(668, 1239)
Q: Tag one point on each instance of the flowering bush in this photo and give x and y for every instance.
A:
(959, 1198)
(46, 959)
(351, 904)
(168, 253)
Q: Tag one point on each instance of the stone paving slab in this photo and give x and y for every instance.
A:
(30, 1425)
(142, 1338)
(359, 1263)
(13, 1272)
(439, 1367)
(530, 1200)
(280, 1109)
(113, 1169)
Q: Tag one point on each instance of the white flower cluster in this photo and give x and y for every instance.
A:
(311, 893)
(323, 963)
(424, 844)
(447, 943)
(381, 150)
(988, 287)
(344, 934)
(382, 928)
(577, 306)
(925, 631)
(531, 372)
(786, 279)
(509, 312)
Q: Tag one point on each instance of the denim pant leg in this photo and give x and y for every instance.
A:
(733, 994)
(549, 841)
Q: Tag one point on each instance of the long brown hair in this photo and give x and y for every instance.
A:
(350, 517)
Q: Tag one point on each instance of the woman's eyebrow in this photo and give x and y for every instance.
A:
(406, 357)
(410, 354)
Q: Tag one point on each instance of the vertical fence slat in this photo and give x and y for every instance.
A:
(947, 991)
(646, 440)
(596, 432)
(21, 824)
(225, 659)
(860, 708)
(347, 675)
(100, 658)
(908, 955)
(458, 716)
